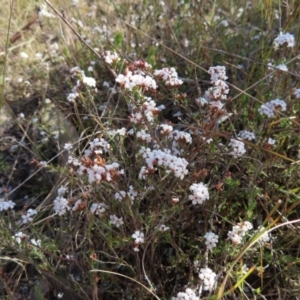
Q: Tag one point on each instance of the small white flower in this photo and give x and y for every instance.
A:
(19, 237)
(271, 107)
(163, 227)
(246, 135)
(297, 93)
(208, 278)
(271, 141)
(24, 55)
(61, 191)
(189, 294)
(284, 39)
(201, 101)
(36, 243)
(110, 57)
(89, 81)
(200, 193)
(72, 97)
(238, 148)
(265, 237)
(44, 13)
(211, 240)
(116, 221)
(28, 217)
(61, 205)
(6, 205)
(138, 237)
(98, 208)
(68, 146)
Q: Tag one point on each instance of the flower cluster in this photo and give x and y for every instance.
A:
(19, 237)
(6, 205)
(28, 217)
(238, 148)
(284, 39)
(136, 77)
(220, 88)
(173, 164)
(61, 204)
(110, 57)
(268, 109)
(200, 193)
(165, 129)
(131, 194)
(138, 237)
(169, 76)
(265, 237)
(183, 136)
(82, 80)
(189, 294)
(239, 231)
(145, 111)
(208, 278)
(246, 135)
(94, 165)
(211, 240)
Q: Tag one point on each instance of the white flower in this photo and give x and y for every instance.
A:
(217, 73)
(61, 191)
(238, 148)
(132, 193)
(239, 231)
(89, 81)
(98, 208)
(6, 205)
(201, 101)
(208, 278)
(189, 294)
(271, 141)
(44, 13)
(169, 76)
(284, 39)
(116, 221)
(271, 107)
(172, 163)
(68, 146)
(224, 23)
(265, 237)
(19, 237)
(200, 193)
(28, 217)
(61, 205)
(211, 240)
(297, 93)
(110, 57)
(163, 227)
(36, 243)
(246, 135)
(130, 81)
(119, 196)
(144, 136)
(282, 67)
(24, 55)
(138, 237)
(165, 128)
(72, 97)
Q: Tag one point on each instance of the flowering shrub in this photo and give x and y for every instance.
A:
(168, 189)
